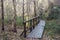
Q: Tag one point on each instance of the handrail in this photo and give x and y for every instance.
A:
(32, 24)
(31, 19)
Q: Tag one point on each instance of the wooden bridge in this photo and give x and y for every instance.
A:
(36, 29)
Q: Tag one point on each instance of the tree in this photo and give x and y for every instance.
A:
(14, 5)
(28, 8)
(35, 8)
(2, 8)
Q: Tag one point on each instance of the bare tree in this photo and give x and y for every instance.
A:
(23, 10)
(28, 8)
(35, 7)
(2, 8)
(14, 5)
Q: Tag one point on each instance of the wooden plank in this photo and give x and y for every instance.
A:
(38, 31)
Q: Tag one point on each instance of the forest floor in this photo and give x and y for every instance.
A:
(10, 35)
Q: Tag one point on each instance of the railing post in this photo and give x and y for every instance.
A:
(30, 25)
(38, 19)
(33, 24)
(24, 29)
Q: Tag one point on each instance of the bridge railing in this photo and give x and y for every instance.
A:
(32, 23)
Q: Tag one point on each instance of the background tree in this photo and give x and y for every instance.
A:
(35, 8)
(2, 8)
(14, 5)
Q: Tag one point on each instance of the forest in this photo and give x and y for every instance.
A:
(18, 18)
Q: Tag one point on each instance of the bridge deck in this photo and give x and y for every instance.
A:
(38, 31)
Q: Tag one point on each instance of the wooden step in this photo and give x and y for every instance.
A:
(38, 31)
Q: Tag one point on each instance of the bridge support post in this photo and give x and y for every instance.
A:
(38, 19)
(31, 25)
(24, 29)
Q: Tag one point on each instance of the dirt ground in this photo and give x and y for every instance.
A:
(9, 35)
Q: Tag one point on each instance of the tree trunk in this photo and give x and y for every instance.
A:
(2, 8)
(28, 8)
(14, 5)
(35, 8)
(23, 10)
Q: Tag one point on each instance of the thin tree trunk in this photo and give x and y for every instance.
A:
(23, 10)
(23, 21)
(2, 8)
(28, 6)
(35, 8)
(14, 5)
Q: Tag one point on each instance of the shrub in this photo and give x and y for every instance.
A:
(52, 28)
(54, 13)
(19, 21)
(5, 37)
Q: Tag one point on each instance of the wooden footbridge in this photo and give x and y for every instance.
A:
(36, 28)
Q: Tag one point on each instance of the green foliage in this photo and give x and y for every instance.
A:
(19, 21)
(52, 28)
(54, 13)
(5, 37)
(7, 20)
